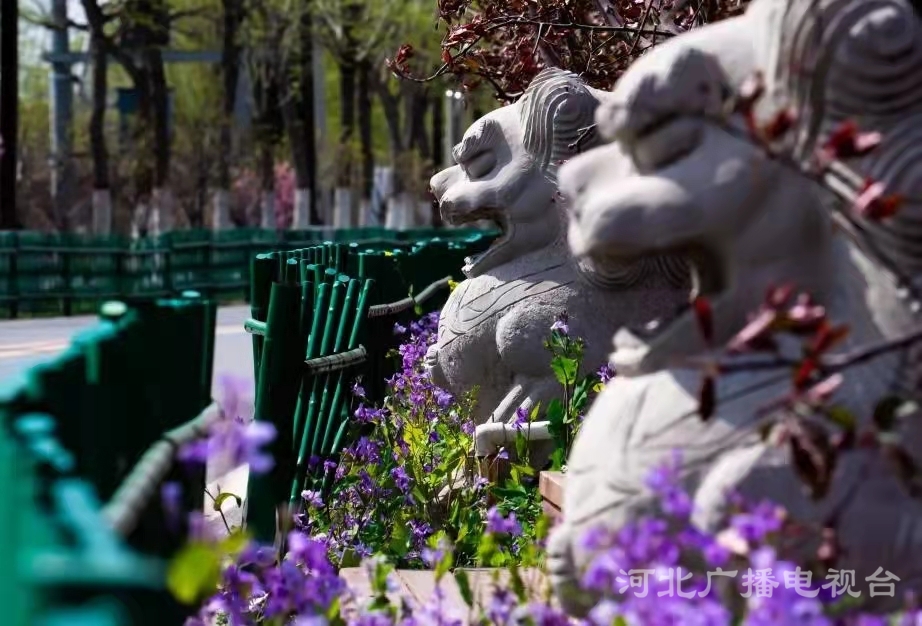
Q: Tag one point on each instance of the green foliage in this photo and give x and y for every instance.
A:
(195, 571)
(564, 416)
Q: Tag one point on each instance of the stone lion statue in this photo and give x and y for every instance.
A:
(492, 328)
(681, 174)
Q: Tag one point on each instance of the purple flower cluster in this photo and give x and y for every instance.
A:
(389, 505)
(386, 480)
(234, 437)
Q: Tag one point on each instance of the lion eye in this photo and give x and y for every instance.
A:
(480, 164)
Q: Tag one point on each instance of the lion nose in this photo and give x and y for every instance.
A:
(441, 181)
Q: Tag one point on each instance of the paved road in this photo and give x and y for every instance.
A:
(26, 342)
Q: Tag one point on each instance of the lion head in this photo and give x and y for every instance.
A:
(507, 165)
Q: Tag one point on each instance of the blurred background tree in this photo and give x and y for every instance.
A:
(286, 113)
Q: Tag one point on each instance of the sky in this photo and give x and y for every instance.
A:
(36, 39)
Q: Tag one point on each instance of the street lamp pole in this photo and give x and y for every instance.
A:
(452, 123)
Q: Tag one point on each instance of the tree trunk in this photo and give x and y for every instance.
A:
(438, 132)
(143, 149)
(420, 140)
(230, 75)
(267, 186)
(342, 202)
(363, 107)
(306, 192)
(9, 112)
(298, 112)
(102, 195)
(164, 207)
(364, 118)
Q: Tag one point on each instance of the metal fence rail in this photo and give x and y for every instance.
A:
(65, 274)
(88, 437)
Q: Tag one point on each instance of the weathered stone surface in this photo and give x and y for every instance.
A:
(492, 329)
(681, 175)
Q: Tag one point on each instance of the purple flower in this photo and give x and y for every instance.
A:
(499, 525)
(241, 442)
(753, 526)
(309, 552)
(562, 324)
(171, 497)
(521, 419)
(605, 373)
(312, 498)
(358, 391)
(401, 479)
(443, 399)
(399, 329)
(664, 483)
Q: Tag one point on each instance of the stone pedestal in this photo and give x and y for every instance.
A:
(551, 486)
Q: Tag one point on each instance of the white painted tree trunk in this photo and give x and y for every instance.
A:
(399, 211)
(102, 211)
(267, 209)
(163, 212)
(140, 219)
(342, 208)
(366, 214)
(302, 210)
(423, 214)
(220, 209)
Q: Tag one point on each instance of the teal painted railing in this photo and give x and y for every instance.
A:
(89, 437)
(55, 274)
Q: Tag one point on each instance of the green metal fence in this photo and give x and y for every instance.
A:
(322, 316)
(89, 437)
(65, 274)
(73, 428)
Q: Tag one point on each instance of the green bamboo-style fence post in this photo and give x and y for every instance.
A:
(276, 396)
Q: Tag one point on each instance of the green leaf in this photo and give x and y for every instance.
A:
(444, 565)
(400, 539)
(524, 469)
(521, 443)
(555, 412)
(888, 411)
(564, 370)
(464, 587)
(506, 493)
(223, 497)
(558, 459)
(194, 573)
(349, 558)
(841, 416)
(542, 526)
(234, 543)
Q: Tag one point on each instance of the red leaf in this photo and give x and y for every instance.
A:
(804, 372)
(874, 204)
(813, 456)
(826, 337)
(777, 297)
(823, 390)
(705, 317)
(805, 316)
(758, 328)
(707, 398)
(780, 124)
(847, 141)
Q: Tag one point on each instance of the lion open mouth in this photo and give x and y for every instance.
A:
(497, 218)
(707, 277)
